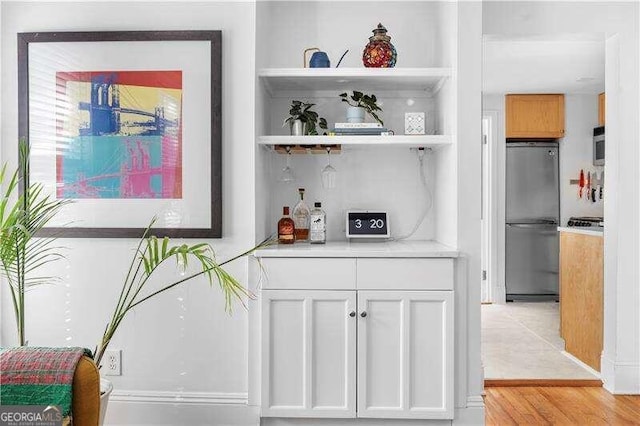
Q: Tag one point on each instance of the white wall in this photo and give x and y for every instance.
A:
(367, 179)
(494, 105)
(576, 152)
(414, 28)
(621, 354)
(183, 342)
(469, 147)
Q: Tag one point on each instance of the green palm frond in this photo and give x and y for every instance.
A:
(22, 216)
(150, 254)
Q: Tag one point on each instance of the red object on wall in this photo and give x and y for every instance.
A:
(581, 183)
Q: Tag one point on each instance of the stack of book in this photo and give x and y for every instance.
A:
(358, 129)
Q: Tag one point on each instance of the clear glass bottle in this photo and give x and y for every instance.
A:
(286, 228)
(318, 225)
(301, 214)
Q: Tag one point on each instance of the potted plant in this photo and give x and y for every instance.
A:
(359, 103)
(21, 253)
(303, 120)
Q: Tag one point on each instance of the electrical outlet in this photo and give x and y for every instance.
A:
(112, 363)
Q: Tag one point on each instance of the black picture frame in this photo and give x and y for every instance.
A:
(215, 39)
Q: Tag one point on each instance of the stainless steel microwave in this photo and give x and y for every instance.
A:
(598, 146)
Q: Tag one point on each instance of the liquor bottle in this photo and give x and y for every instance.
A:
(286, 228)
(318, 225)
(301, 214)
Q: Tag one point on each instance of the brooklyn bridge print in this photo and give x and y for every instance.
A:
(119, 134)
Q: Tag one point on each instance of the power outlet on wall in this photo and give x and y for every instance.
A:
(112, 363)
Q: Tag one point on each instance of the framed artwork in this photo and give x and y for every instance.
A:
(127, 125)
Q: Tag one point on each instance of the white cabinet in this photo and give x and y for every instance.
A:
(403, 340)
(308, 353)
(405, 347)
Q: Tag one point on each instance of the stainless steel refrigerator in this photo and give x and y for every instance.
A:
(532, 216)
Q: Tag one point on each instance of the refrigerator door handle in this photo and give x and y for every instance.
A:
(532, 225)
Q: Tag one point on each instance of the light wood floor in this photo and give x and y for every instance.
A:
(559, 406)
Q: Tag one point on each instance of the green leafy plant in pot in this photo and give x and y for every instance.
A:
(303, 120)
(22, 253)
(359, 103)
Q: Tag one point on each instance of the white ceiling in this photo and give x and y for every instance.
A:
(543, 65)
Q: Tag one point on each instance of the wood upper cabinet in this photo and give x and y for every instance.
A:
(534, 116)
(601, 109)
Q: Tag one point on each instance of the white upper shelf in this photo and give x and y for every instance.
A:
(411, 141)
(286, 80)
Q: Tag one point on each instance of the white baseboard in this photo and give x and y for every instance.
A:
(141, 408)
(472, 414)
(622, 378)
(172, 397)
(281, 421)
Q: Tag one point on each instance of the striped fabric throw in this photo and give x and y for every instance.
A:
(38, 376)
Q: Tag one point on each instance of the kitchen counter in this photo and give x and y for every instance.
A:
(360, 249)
(595, 231)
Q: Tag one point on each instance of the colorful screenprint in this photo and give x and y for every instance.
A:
(119, 134)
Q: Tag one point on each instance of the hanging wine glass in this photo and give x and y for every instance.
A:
(287, 172)
(329, 174)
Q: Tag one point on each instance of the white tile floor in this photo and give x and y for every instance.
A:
(522, 341)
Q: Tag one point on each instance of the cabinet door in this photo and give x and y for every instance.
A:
(405, 354)
(534, 116)
(581, 296)
(601, 109)
(308, 353)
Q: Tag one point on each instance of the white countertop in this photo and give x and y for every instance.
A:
(595, 231)
(383, 249)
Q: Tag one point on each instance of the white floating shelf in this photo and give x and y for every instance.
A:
(287, 80)
(409, 141)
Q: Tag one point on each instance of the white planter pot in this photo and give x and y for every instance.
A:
(355, 115)
(106, 387)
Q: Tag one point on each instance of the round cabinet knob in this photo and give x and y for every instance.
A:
(352, 314)
(363, 314)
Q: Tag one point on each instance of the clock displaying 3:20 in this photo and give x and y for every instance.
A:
(373, 224)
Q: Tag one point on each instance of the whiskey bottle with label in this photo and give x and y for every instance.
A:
(286, 228)
(318, 225)
(301, 214)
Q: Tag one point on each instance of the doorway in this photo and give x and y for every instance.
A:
(522, 339)
(490, 211)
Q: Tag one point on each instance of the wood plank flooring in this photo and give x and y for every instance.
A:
(559, 406)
